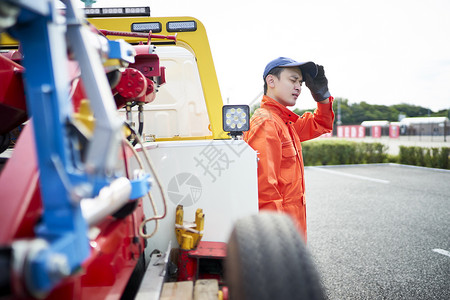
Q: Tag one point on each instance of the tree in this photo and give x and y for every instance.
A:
(356, 113)
(411, 110)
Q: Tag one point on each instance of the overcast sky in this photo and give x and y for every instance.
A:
(382, 52)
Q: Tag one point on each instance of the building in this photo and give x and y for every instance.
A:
(425, 126)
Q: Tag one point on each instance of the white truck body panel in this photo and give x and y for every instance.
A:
(219, 176)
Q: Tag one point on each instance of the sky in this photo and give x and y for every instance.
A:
(382, 52)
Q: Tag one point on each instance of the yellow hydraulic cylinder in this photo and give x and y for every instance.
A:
(189, 234)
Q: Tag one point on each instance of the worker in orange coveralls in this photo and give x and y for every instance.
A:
(276, 134)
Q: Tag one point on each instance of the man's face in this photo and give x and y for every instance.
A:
(286, 89)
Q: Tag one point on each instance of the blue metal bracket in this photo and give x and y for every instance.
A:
(121, 50)
(140, 187)
(63, 226)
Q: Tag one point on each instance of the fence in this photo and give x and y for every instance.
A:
(421, 131)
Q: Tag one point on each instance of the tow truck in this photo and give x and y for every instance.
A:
(113, 137)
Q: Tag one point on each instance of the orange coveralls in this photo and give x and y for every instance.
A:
(275, 133)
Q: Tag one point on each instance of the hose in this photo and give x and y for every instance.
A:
(155, 218)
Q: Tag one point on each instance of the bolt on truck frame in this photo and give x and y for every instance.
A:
(93, 208)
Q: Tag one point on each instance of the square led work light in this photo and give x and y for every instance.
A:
(235, 118)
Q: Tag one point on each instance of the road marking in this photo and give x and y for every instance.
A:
(351, 175)
(443, 252)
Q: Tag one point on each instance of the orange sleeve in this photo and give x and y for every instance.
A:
(263, 137)
(310, 125)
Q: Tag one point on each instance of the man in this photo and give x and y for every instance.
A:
(276, 134)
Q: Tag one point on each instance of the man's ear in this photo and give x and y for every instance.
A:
(270, 80)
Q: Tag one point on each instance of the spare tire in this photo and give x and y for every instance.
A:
(267, 259)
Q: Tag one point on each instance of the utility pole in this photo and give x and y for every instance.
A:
(445, 125)
(339, 121)
(445, 130)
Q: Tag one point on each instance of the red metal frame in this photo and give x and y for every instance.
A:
(114, 252)
(116, 249)
(20, 202)
(12, 95)
(189, 260)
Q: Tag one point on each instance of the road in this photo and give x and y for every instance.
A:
(380, 231)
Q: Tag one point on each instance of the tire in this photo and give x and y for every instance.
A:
(267, 259)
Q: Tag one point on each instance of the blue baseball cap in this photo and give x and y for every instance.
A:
(285, 62)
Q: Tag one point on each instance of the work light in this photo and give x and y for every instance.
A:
(180, 26)
(154, 27)
(235, 119)
(116, 12)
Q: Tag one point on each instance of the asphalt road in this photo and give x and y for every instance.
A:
(380, 231)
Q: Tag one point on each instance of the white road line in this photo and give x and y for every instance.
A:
(351, 175)
(443, 252)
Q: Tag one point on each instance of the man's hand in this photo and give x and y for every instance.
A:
(319, 85)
